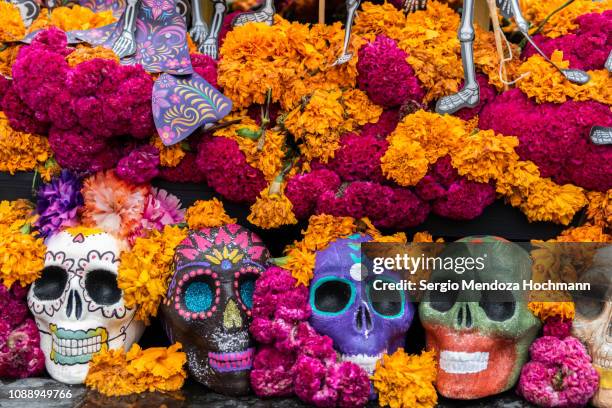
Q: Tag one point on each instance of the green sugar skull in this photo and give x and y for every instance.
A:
(481, 337)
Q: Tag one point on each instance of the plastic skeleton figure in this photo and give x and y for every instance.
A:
(469, 96)
(208, 39)
(351, 8)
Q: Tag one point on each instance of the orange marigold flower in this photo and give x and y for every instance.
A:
(146, 268)
(84, 53)
(11, 23)
(169, 156)
(20, 151)
(117, 373)
(272, 209)
(207, 214)
(404, 380)
(599, 211)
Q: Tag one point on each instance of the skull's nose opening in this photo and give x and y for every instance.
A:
(74, 306)
(363, 319)
(464, 317)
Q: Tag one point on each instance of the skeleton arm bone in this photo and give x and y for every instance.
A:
(126, 44)
(199, 29)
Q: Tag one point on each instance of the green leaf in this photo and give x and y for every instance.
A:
(249, 134)
(26, 229)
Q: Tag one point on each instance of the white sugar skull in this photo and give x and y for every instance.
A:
(78, 307)
(593, 322)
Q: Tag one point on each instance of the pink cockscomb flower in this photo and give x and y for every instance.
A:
(160, 208)
(20, 353)
(559, 374)
(384, 74)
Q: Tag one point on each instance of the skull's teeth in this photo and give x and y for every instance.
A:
(76, 347)
(367, 362)
(461, 362)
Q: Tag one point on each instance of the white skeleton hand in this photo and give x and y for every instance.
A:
(125, 44)
(410, 6)
(210, 47)
(198, 32)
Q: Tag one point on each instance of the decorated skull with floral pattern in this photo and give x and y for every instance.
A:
(77, 304)
(363, 322)
(208, 304)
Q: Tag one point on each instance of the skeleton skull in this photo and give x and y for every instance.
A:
(593, 322)
(481, 339)
(364, 323)
(209, 301)
(77, 304)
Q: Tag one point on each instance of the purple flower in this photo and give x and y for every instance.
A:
(58, 203)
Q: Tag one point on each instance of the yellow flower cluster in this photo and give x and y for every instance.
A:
(21, 151)
(21, 253)
(290, 59)
(265, 155)
(7, 58)
(544, 310)
(585, 233)
(169, 156)
(272, 209)
(84, 53)
(418, 141)
(406, 381)
(156, 369)
(564, 21)
(207, 214)
(599, 210)
(145, 269)
(72, 18)
(11, 24)
(324, 116)
(545, 84)
(322, 230)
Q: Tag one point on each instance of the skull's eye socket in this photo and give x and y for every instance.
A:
(101, 286)
(246, 287)
(386, 302)
(442, 300)
(332, 296)
(199, 295)
(590, 304)
(51, 284)
(498, 305)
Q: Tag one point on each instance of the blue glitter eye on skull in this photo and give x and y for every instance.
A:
(198, 296)
(332, 296)
(386, 303)
(246, 288)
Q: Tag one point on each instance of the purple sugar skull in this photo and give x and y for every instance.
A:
(363, 322)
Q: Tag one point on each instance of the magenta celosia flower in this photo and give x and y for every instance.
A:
(187, 171)
(387, 122)
(555, 137)
(206, 67)
(140, 165)
(587, 48)
(227, 171)
(558, 327)
(385, 206)
(303, 190)
(559, 374)
(20, 353)
(384, 74)
(294, 358)
(93, 100)
(358, 158)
